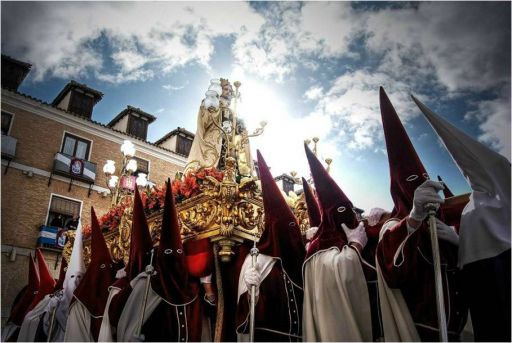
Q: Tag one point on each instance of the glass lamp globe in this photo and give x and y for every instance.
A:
(215, 86)
(110, 167)
(128, 149)
(142, 180)
(131, 166)
(112, 182)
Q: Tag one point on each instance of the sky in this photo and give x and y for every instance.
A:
(308, 68)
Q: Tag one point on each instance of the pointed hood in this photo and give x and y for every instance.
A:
(140, 240)
(281, 238)
(312, 205)
(446, 191)
(335, 206)
(485, 222)
(405, 168)
(171, 280)
(46, 280)
(62, 274)
(20, 308)
(92, 291)
(76, 267)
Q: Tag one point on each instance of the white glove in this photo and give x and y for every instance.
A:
(357, 235)
(447, 233)
(375, 215)
(206, 279)
(252, 277)
(310, 233)
(424, 194)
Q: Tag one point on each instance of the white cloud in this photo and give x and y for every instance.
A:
(314, 93)
(169, 35)
(493, 117)
(462, 45)
(352, 102)
(170, 87)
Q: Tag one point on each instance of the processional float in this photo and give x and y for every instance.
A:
(227, 211)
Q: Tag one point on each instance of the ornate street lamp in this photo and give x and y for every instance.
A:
(125, 182)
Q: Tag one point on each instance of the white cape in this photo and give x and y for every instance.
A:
(105, 334)
(396, 318)
(31, 321)
(336, 299)
(130, 320)
(78, 327)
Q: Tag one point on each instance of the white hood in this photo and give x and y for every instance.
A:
(485, 223)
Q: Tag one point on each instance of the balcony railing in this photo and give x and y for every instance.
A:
(74, 168)
(51, 237)
(8, 147)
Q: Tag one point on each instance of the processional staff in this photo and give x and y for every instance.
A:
(432, 208)
(149, 272)
(254, 255)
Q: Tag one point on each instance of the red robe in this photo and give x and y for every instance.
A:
(284, 321)
(413, 273)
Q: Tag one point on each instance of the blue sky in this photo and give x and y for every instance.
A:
(309, 69)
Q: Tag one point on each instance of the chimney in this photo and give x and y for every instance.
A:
(133, 121)
(77, 98)
(13, 72)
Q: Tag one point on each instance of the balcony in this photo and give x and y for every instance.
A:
(51, 238)
(74, 169)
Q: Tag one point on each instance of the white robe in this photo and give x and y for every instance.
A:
(105, 334)
(396, 318)
(129, 322)
(8, 330)
(78, 327)
(31, 321)
(336, 300)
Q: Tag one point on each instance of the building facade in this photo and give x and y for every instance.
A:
(52, 168)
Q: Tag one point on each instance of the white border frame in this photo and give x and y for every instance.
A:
(65, 197)
(82, 137)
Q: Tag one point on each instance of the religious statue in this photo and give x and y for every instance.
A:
(220, 134)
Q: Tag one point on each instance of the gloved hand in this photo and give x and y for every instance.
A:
(357, 235)
(310, 233)
(447, 233)
(424, 194)
(375, 215)
(252, 277)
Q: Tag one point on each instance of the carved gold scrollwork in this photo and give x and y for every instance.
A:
(120, 248)
(301, 212)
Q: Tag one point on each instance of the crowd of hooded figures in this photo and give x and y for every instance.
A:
(345, 280)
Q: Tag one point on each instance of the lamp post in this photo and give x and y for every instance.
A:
(124, 181)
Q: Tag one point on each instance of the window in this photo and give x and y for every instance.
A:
(76, 146)
(63, 212)
(142, 166)
(6, 122)
(183, 145)
(137, 126)
(81, 104)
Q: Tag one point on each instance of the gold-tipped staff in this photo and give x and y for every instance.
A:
(254, 255)
(328, 161)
